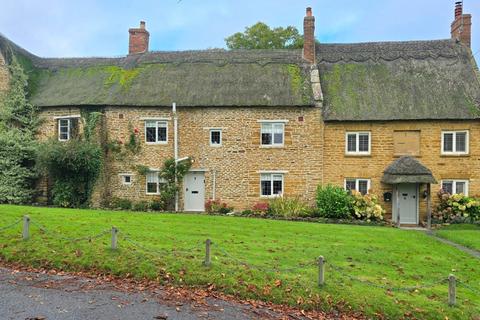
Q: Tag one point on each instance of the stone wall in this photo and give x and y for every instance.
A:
(338, 166)
(236, 164)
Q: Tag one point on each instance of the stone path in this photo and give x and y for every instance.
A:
(472, 252)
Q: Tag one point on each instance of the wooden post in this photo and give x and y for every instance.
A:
(208, 259)
(429, 207)
(26, 228)
(114, 238)
(398, 206)
(452, 290)
(321, 271)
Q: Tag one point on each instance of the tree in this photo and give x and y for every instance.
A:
(261, 36)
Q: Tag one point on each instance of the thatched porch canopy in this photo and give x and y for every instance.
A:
(407, 170)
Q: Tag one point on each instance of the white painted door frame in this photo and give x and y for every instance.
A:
(395, 205)
(194, 191)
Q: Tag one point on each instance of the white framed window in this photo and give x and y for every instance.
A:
(455, 142)
(156, 132)
(357, 143)
(271, 184)
(358, 184)
(455, 186)
(64, 129)
(126, 178)
(154, 182)
(272, 134)
(215, 137)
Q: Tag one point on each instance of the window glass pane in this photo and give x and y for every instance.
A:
(278, 133)
(150, 124)
(460, 187)
(152, 187)
(162, 134)
(266, 138)
(215, 137)
(461, 142)
(363, 186)
(363, 142)
(266, 187)
(352, 142)
(277, 186)
(152, 177)
(267, 133)
(63, 125)
(447, 186)
(150, 134)
(127, 179)
(350, 184)
(448, 142)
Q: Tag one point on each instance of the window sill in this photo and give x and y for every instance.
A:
(272, 146)
(356, 155)
(271, 197)
(454, 155)
(152, 194)
(216, 145)
(156, 143)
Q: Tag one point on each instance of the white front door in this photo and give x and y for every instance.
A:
(405, 199)
(194, 191)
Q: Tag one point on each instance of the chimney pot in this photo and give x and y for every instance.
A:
(458, 9)
(461, 28)
(309, 12)
(142, 24)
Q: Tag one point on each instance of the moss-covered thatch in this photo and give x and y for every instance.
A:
(399, 81)
(189, 78)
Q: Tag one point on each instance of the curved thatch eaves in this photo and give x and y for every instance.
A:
(398, 81)
(190, 78)
(407, 170)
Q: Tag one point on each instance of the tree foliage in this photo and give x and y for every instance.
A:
(18, 122)
(173, 175)
(261, 36)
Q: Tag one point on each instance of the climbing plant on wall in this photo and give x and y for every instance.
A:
(74, 165)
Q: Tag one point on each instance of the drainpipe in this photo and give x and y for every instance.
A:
(214, 182)
(175, 148)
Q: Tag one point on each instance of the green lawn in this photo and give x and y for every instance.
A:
(382, 255)
(465, 234)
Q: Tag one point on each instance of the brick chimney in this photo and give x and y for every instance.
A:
(309, 37)
(138, 42)
(461, 28)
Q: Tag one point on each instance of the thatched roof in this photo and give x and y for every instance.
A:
(189, 78)
(407, 170)
(399, 81)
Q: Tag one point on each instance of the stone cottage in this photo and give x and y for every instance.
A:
(391, 118)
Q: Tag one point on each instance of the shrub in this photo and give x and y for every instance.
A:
(157, 205)
(261, 208)
(247, 212)
(140, 206)
(288, 207)
(217, 206)
(366, 207)
(333, 202)
(119, 203)
(456, 208)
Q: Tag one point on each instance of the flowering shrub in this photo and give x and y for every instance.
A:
(288, 207)
(217, 206)
(456, 208)
(261, 208)
(366, 207)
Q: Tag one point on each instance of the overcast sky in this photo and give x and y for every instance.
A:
(60, 28)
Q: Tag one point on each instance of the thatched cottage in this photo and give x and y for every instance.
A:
(393, 118)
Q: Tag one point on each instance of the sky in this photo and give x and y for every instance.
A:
(77, 28)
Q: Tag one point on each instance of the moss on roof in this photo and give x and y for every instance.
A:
(399, 81)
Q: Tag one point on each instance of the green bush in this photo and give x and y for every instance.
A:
(157, 205)
(288, 207)
(74, 166)
(140, 206)
(333, 202)
(247, 212)
(120, 203)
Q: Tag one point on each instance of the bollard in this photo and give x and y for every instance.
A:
(26, 228)
(452, 290)
(321, 271)
(208, 260)
(114, 238)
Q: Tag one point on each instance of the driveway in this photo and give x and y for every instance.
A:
(28, 295)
